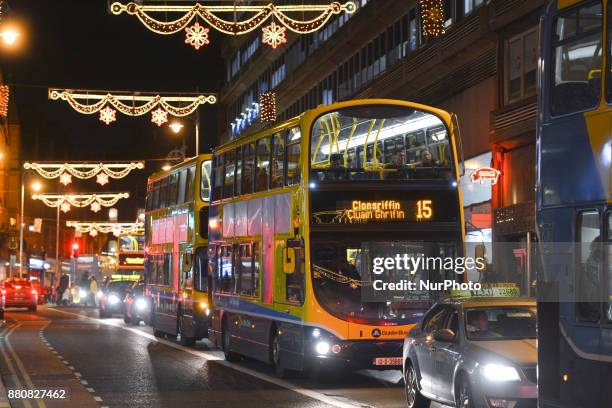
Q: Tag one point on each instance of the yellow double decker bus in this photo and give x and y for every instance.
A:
(301, 211)
(130, 256)
(176, 235)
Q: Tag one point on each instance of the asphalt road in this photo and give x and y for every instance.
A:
(106, 363)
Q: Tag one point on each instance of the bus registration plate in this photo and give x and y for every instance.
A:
(388, 361)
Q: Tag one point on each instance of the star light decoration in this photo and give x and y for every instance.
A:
(83, 170)
(255, 16)
(108, 115)
(140, 103)
(159, 116)
(196, 36)
(274, 35)
(65, 207)
(95, 207)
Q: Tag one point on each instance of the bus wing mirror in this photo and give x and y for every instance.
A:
(480, 252)
(288, 260)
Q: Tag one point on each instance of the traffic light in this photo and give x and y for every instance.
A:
(75, 249)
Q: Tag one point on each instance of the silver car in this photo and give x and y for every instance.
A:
(475, 352)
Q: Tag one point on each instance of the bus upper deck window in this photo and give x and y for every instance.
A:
(576, 60)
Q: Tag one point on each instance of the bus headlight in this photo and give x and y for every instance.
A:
(322, 347)
(498, 373)
(99, 294)
(113, 299)
(141, 304)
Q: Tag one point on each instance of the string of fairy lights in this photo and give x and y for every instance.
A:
(117, 228)
(83, 171)
(432, 16)
(107, 103)
(95, 200)
(196, 35)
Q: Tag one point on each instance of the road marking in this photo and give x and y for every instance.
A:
(90, 389)
(98, 398)
(77, 374)
(84, 382)
(10, 366)
(211, 357)
(71, 367)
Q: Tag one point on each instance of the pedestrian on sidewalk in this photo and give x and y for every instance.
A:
(93, 288)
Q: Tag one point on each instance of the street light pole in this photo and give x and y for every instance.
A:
(197, 132)
(21, 223)
(57, 243)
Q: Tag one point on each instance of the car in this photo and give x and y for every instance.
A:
(2, 306)
(19, 292)
(136, 305)
(111, 299)
(473, 352)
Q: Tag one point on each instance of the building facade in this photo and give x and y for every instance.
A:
(483, 69)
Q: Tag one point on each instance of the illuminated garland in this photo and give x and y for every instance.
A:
(102, 102)
(267, 107)
(4, 100)
(117, 228)
(432, 14)
(65, 171)
(321, 272)
(64, 201)
(197, 37)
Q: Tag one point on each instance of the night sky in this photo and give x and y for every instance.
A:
(78, 44)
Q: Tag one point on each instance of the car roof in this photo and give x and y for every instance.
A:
(490, 301)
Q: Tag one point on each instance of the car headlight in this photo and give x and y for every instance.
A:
(141, 304)
(99, 294)
(499, 373)
(82, 293)
(322, 347)
(113, 299)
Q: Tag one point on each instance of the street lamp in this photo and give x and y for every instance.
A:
(166, 167)
(177, 126)
(36, 186)
(9, 36)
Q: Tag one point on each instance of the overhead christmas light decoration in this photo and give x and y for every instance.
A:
(267, 106)
(432, 14)
(65, 201)
(4, 100)
(197, 36)
(102, 171)
(140, 103)
(118, 228)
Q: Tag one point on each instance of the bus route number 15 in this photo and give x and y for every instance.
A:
(424, 210)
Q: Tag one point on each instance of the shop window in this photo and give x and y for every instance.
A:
(589, 271)
(521, 65)
(576, 60)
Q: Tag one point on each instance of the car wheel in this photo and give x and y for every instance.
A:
(275, 356)
(414, 399)
(464, 394)
(226, 340)
(185, 341)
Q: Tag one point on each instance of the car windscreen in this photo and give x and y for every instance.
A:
(501, 323)
(119, 286)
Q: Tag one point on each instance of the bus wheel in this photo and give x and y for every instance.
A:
(226, 339)
(185, 341)
(275, 356)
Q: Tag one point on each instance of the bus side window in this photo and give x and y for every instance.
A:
(238, 185)
(278, 160)
(576, 60)
(246, 270)
(227, 270)
(219, 177)
(167, 270)
(256, 268)
(181, 186)
(263, 164)
(294, 174)
(163, 193)
(191, 172)
(294, 283)
(589, 272)
(173, 189)
(230, 174)
(155, 203)
(248, 168)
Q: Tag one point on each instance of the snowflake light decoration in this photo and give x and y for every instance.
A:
(274, 35)
(93, 232)
(65, 179)
(159, 116)
(108, 115)
(196, 36)
(65, 207)
(95, 207)
(117, 232)
(102, 179)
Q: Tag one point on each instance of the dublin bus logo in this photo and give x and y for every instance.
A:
(485, 173)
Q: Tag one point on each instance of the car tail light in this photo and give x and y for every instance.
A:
(34, 293)
(17, 287)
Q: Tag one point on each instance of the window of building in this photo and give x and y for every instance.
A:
(471, 5)
(576, 59)
(263, 164)
(278, 160)
(521, 65)
(589, 272)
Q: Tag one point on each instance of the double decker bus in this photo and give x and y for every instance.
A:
(176, 237)
(573, 205)
(299, 212)
(130, 256)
